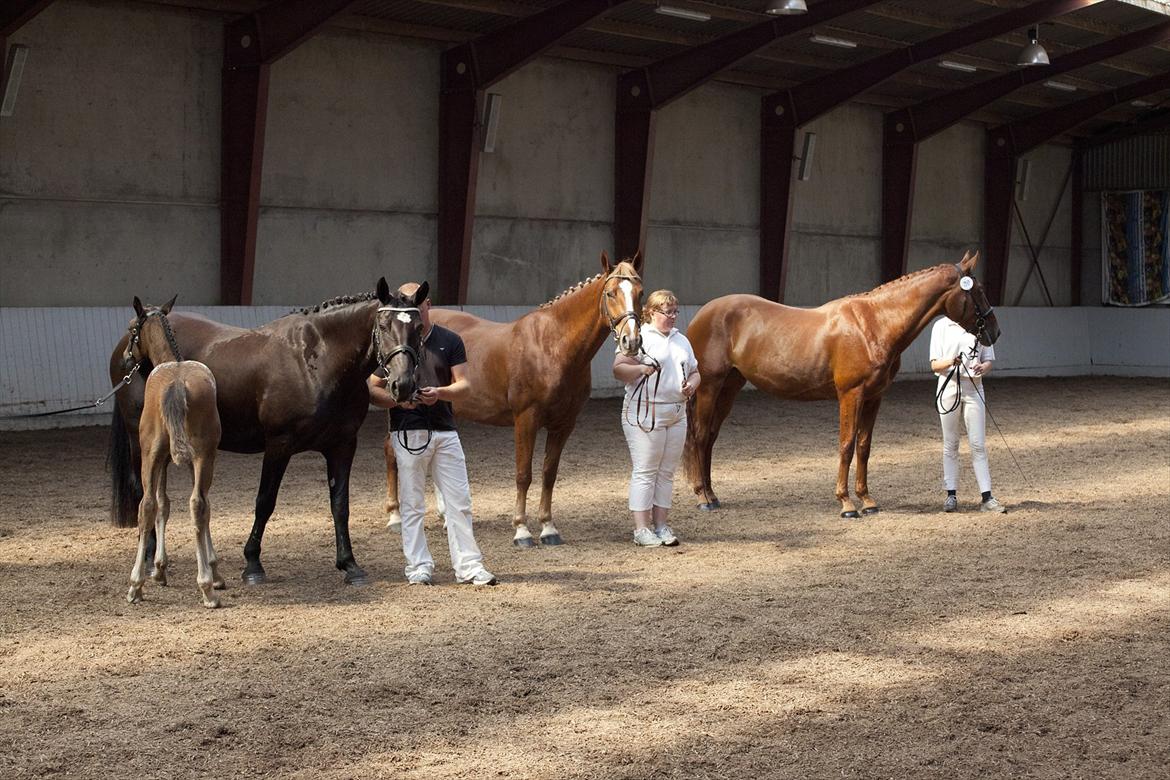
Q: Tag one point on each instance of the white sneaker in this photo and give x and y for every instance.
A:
(991, 505)
(666, 536)
(951, 504)
(420, 578)
(480, 579)
(644, 537)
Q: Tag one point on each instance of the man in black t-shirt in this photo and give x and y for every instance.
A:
(425, 440)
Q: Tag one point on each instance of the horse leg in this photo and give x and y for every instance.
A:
(159, 572)
(524, 434)
(394, 523)
(554, 444)
(338, 463)
(869, 412)
(710, 413)
(271, 474)
(850, 405)
(147, 509)
(201, 471)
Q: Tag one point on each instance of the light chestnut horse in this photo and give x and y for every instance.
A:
(179, 423)
(534, 373)
(849, 349)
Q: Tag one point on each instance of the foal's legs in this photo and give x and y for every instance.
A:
(554, 444)
(159, 572)
(850, 404)
(271, 474)
(201, 470)
(869, 412)
(147, 512)
(524, 434)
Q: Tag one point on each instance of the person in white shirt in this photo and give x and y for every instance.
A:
(952, 347)
(654, 415)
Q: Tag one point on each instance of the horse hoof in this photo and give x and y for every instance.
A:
(711, 507)
(357, 578)
(525, 542)
(552, 539)
(870, 510)
(254, 577)
(850, 515)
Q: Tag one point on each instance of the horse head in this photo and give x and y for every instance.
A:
(966, 302)
(398, 332)
(150, 334)
(621, 301)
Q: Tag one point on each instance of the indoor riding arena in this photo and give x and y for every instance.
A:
(822, 184)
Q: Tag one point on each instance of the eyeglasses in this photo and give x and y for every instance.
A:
(670, 313)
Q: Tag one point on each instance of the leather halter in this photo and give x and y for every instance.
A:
(136, 336)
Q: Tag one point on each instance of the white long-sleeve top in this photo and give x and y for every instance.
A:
(948, 339)
(674, 354)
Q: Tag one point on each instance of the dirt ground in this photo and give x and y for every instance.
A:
(777, 641)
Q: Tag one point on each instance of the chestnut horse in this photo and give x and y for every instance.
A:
(849, 349)
(179, 423)
(534, 373)
(294, 385)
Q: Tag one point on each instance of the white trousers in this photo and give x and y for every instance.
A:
(655, 455)
(973, 413)
(443, 458)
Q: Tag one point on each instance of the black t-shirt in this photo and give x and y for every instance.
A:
(442, 350)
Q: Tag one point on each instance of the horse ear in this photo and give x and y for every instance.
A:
(606, 267)
(974, 260)
(637, 261)
(421, 293)
(383, 291)
(141, 312)
(166, 309)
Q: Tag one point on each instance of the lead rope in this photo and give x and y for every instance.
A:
(639, 397)
(958, 399)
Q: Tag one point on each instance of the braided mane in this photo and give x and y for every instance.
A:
(341, 300)
(572, 290)
(899, 280)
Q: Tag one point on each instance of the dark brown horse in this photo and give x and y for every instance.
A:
(294, 385)
(179, 423)
(849, 349)
(534, 373)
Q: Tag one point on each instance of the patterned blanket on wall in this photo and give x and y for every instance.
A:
(1137, 251)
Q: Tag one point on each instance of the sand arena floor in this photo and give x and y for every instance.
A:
(776, 641)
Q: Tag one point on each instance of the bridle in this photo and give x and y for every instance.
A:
(967, 285)
(629, 314)
(135, 332)
(412, 355)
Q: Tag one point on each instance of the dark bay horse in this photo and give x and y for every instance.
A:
(294, 385)
(534, 373)
(849, 349)
(179, 423)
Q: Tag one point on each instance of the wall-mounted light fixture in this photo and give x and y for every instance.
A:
(1033, 53)
(682, 12)
(491, 121)
(828, 40)
(804, 172)
(17, 56)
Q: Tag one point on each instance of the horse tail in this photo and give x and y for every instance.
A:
(175, 414)
(691, 446)
(125, 481)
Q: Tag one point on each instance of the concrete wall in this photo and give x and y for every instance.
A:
(109, 176)
(57, 358)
